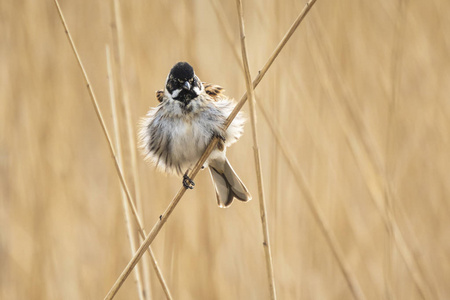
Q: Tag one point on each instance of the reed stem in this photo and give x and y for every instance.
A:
(258, 167)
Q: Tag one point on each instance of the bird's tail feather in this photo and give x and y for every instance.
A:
(228, 185)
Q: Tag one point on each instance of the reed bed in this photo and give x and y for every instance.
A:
(355, 108)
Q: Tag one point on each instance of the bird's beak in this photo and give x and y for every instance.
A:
(187, 86)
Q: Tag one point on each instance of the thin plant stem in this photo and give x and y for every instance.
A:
(259, 176)
(126, 210)
(118, 49)
(163, 218)
(106, 133)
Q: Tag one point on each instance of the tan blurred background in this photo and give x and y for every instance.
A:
(361, 97)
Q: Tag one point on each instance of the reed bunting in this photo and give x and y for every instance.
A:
(175, 134)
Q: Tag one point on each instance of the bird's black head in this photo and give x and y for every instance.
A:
(182, 84)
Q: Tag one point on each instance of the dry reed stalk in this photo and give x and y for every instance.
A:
(126, 210)
(369, 163)
(109, 142)
(258, 167)
(118, 50)
(117, 34)
(275, 174)
(163, 218)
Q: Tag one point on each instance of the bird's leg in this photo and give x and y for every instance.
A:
(188, 183)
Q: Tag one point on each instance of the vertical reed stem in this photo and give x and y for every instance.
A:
(259, 176)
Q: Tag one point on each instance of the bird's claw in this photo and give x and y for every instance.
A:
(188, 183)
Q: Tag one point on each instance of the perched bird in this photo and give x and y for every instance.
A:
(175, 134)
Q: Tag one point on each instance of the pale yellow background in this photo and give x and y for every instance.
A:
(360, 94)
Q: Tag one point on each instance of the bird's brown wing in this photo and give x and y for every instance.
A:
(214, 91)
(159, 95)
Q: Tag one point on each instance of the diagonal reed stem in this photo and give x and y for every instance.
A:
(259, 176)
(163, 218)
(108, 138)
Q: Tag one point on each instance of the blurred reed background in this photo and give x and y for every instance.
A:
(359, 94)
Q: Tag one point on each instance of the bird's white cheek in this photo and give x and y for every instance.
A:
(175, 93)
(196, 90)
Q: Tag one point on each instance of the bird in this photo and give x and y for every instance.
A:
(174, 134)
